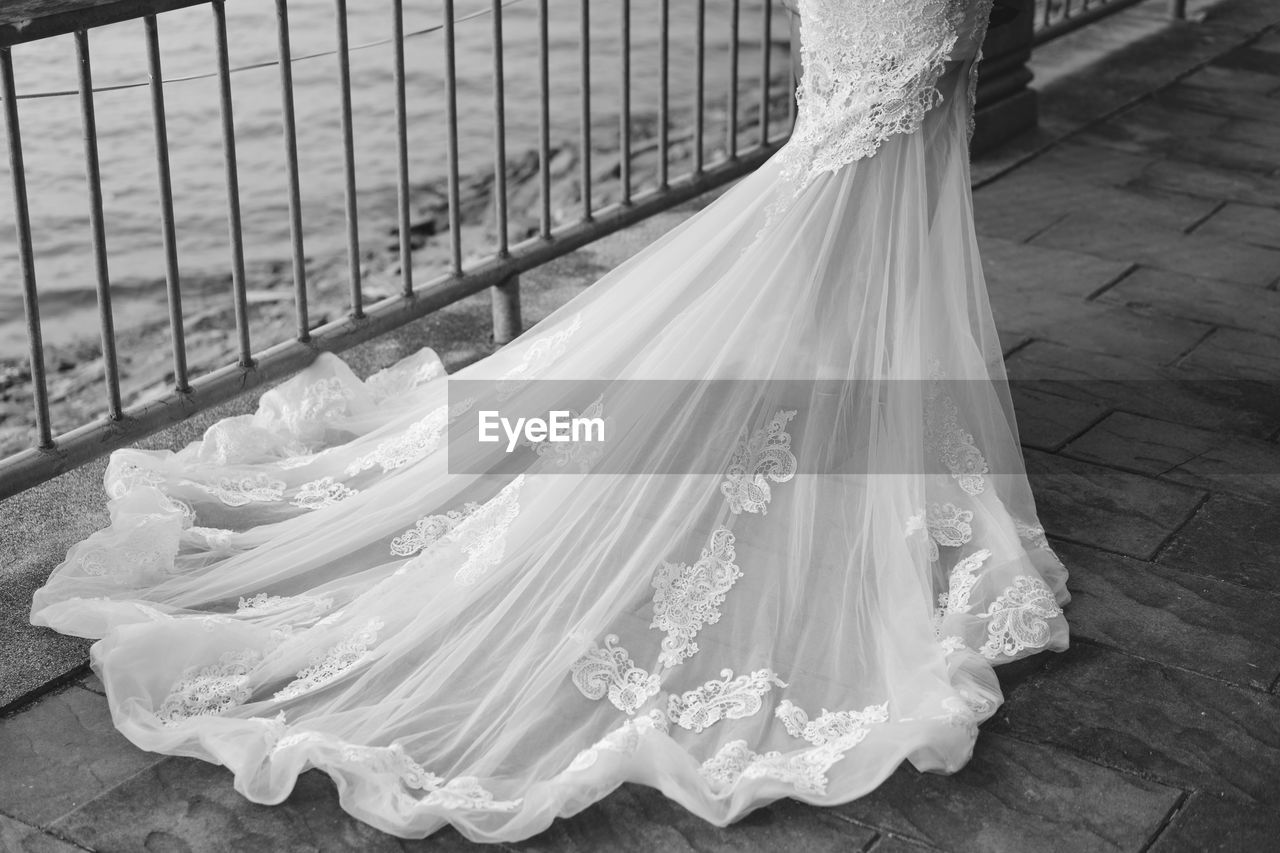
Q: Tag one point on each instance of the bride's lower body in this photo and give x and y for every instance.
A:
(817, 595)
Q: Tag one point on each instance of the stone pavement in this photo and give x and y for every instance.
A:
(1144, 247)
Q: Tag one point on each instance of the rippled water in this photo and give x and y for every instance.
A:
(54, 149)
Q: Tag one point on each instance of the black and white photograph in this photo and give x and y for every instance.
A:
(640, 426)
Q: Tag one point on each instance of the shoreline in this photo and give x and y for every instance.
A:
(74, 370)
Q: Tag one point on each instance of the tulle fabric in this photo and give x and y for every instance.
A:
(310, 586)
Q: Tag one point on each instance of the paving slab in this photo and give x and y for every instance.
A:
(1231, 539)
(1109, 509)
(1015, 271)
(1234, 103)
(1240, 407)
(1244, 223)
(18, 837)
(1204, 459)
(62, 753)
(1236, 354)
(1223, 182)
(189, 805)
(1014, 795)
(1204, 300)
(640, 819)
(1163, 248)
(1047, 420)
(1211, 824)
(1025, 203)
(1172, 617)
(1165, 724)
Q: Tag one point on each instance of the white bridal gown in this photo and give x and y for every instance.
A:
(816, 592)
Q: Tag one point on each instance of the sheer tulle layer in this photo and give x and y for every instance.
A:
(310, 586)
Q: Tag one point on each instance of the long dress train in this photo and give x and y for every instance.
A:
(816, 592)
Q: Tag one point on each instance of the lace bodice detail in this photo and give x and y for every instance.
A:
(870, 71)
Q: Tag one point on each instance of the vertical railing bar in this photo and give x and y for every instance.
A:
(499, 132)
(664, 48)
(766, 55)
(584, 43)
(700, 74)
(302, 323)
(240, 300)
(168, 231)
(544, 122)
(26, 251)
(97, 226)
(1048, 4)
(451, 138)
(734, 16)
(504, 297)
(402, 151)
(624, 99)
(349, 161)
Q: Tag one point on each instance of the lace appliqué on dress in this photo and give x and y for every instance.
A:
(411, 445)
(953, 446)
(870, 72)
(211, 689)
(624, 740)
(609, 671)
(429, 530)
(689, 597)
(764, 456)
(482, 536)
(321, 493)
(334, 662)
(1018, 618)
(242, 491)
(728, 698)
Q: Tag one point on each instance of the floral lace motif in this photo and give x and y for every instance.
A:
(609, 671)
(1018, 618)
(846, 728)
(411, 445)
(625, 739)
(832, 735)
(320, 402)
(540, 355)
(333, 663)
(689, 597)
(482, 536)
(211, 689)
(578, 455)
(954, 446)
(949, 525)
(242, 491)
(726, 699)
(1033, 535)
(263, 604)
(462, 793)
(870, 72)
(429, 530)
(764, 456)
(963, 579)
(321, 493)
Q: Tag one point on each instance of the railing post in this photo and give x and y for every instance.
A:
(1006, 105)
(1178, 9)
(506, 310)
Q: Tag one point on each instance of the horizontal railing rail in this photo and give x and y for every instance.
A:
(1055, 18)
(745, 142)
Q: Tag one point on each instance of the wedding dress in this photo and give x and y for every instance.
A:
(815, 591)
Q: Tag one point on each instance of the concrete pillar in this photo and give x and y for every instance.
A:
(1006, 104)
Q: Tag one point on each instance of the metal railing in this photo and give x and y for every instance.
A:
(1054, 18)
(495, 269)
